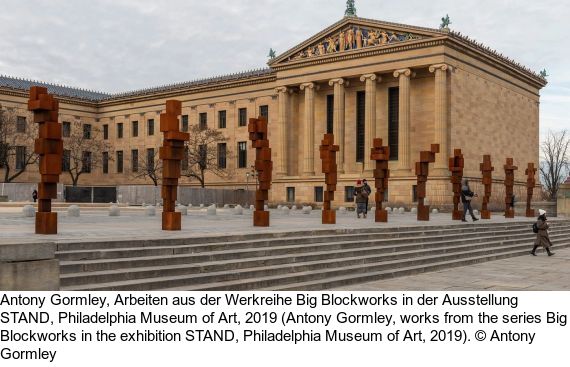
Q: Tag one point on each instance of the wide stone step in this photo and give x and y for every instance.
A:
(328, 250)
(252, 278)
(298, 245)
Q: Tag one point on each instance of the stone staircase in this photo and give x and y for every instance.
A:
(303, 260)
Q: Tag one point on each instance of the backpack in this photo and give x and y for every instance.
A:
(535, 228)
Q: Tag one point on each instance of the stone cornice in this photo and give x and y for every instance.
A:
(25, 94)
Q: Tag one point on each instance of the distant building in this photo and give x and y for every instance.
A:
(359, 79)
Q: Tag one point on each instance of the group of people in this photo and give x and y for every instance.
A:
(362, 192)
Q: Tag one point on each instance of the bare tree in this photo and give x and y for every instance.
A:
(202, 155)
(554, 161)
(148, 167)
(83, 150)
(17, 134)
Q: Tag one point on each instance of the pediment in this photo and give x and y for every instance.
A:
(353, 34)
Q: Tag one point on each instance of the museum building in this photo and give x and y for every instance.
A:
(359, 79)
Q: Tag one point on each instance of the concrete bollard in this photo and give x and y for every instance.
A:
(434, 211)
(414, 210)
(279, 207)
(251, 207)
(266, 207)
(401, 210)
(182, 210)
(285, 210)
(211, 211)
(342, 210)
(238, 210)
(73, 211)
(226, 206)
(476, 212)
(114, 211)
(29, 211)
(372, 210)
(201, 206)
(388, 209)
(307, 209)
(150, 211)
(189, 206)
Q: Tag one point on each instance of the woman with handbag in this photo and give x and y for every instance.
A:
(542, 238)
(466, 196)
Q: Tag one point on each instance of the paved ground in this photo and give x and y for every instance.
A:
(523, 273)
(95, 224)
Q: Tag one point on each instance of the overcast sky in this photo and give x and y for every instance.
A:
(120, 45)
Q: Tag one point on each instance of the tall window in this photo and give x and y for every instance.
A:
(86, 162)
(21, 124)
(393, 121)
(119, 161)
(120, 130)
(242, 154)
(330, 113)
(20, 157)
(184, 162)
(264, 111)
(150, 127)
(203, 121)
(105, 162)
(105, 131)
(222, 119)
(360, 106)
(184, 127)
(222, 151)
(66, 160)
(203, 156)
(150, 159)
(318, 194)
(135, 160)
(291, 194)
(135, 129)
(348, 193)
(415, 193)
(86, 131)
(66, 129)
(242, 117)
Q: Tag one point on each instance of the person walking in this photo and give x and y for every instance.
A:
(542, 238)
(360, 197)
(368, 190)
(466, 196)
(35, 195)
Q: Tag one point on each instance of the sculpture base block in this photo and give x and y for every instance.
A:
(509, 213)
(329, 216)
(381, 216)
(260, 218)
(46, 223)
(423, 213)
(171, 221)
(485, 214)
(530, 213)
(457, 215)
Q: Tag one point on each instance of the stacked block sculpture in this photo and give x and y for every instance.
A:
(422, 171)
(456, 165)
(257, 129)
(328, 157)
(509, 184)
(530, 183)
(171, 153)
(49, 146)
(487, 181)
(380, 154)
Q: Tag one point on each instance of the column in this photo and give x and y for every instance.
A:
(338, 118)
(441, 117)
(309, 129)
(404, 150)
(369, 117)
(283, 102)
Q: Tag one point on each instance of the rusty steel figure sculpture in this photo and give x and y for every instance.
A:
(530, 183)
(49, 146)
(380, 154)
(172, 153)
(422, 171)
(510, 169)
(456, 166)
(487, 181)
(328, 156)
(257, 129)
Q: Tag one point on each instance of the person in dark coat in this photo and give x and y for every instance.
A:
(466, 196)
(35, 195)
(360, 197)
(542, 238)
(368, 190)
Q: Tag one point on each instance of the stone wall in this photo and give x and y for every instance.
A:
(28, 267)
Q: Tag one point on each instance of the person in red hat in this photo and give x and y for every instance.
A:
(361, 198)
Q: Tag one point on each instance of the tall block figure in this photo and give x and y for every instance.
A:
(530, 183)
(328, 157)
(49, 146)
(171, 153)
(487, 180)
(257, 129)
(456, 166)
(510, 169)
(380, 154)
(422, 171)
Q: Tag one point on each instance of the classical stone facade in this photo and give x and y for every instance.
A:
(359, 79)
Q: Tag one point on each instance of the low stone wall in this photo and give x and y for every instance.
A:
(28, 267)
(139, 194)
(23, 191)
